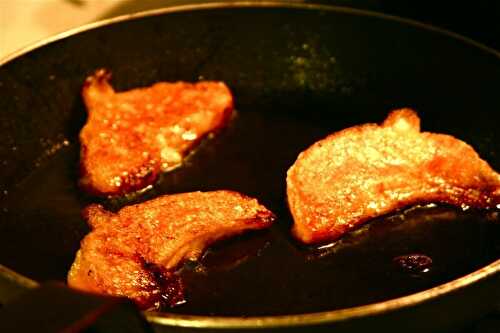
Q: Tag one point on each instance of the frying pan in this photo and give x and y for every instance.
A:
(298, 72)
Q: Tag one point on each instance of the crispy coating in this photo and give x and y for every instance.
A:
(135, 252)
(132, 136)
(369, 170)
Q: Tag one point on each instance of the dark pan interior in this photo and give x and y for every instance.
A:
(297, 75)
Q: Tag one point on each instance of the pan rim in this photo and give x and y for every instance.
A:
(233, 322)
(318, 318)
(241, 4)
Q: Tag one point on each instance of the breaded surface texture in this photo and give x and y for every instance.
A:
(135, 252)
(370, 170)
(132, 136)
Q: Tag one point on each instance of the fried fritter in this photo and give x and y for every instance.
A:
(136, 251)
(132, 136)
(369, 170)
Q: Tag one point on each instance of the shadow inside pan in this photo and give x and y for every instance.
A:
(297, 76)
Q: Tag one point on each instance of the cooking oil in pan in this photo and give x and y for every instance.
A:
(267, 272)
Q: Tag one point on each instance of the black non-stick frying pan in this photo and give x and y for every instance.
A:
(298, 72)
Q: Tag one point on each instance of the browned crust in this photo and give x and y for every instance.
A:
(97, 93)
(305, 205)
(136, 251)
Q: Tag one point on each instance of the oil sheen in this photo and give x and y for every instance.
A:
(266, 272)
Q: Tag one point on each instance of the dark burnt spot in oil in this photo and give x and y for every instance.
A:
(414, 264)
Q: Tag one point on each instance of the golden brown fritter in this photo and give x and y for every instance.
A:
(135, 252)
(132, 136)
(369, 170)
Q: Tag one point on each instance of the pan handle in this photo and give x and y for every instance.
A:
(26, 306)
(13, 285)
